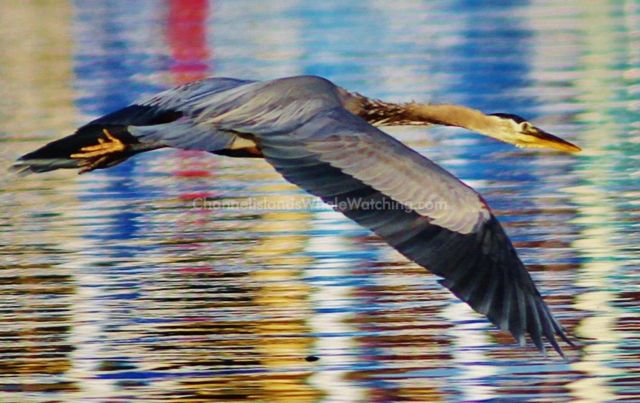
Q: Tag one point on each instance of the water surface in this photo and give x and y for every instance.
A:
(118, 286)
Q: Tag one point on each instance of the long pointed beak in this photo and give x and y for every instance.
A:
(548, 140)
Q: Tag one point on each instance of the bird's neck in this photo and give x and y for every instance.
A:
(381, 113)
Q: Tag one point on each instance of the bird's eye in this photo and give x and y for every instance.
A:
(526, 127)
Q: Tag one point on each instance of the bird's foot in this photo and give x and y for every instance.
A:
(94, 156)
(106, 146)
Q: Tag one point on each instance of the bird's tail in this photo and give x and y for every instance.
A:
(91, 147)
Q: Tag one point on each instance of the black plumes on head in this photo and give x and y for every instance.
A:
(515, 118)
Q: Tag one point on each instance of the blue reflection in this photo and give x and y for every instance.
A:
(109, 60)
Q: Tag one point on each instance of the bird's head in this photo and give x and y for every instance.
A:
(516, 130)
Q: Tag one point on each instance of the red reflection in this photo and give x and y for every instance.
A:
(187, 39)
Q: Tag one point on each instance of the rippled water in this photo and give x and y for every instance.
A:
(118, 286)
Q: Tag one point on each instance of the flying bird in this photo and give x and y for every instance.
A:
(326, 140)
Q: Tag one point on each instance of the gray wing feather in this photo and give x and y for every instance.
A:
(187, 98)
(380, 161)
(339, 158)
(184, 133)
(214, 109)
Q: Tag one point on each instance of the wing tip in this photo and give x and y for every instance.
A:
(549, 328)
(538, 324)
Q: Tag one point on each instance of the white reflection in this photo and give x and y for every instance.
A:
(334, 343)
(596, 212)
(469, 336)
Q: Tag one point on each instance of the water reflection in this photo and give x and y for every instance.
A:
(113, 286)
(598, 209)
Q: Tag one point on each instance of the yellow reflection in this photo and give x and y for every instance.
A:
(596, 212)
(282, 296)
(251, 319)
(36, 67)
(35, 80)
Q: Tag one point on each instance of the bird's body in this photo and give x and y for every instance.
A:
(323, 139)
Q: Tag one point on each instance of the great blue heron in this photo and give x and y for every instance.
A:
(323, 138)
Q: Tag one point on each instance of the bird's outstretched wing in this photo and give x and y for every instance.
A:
(420, 209)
